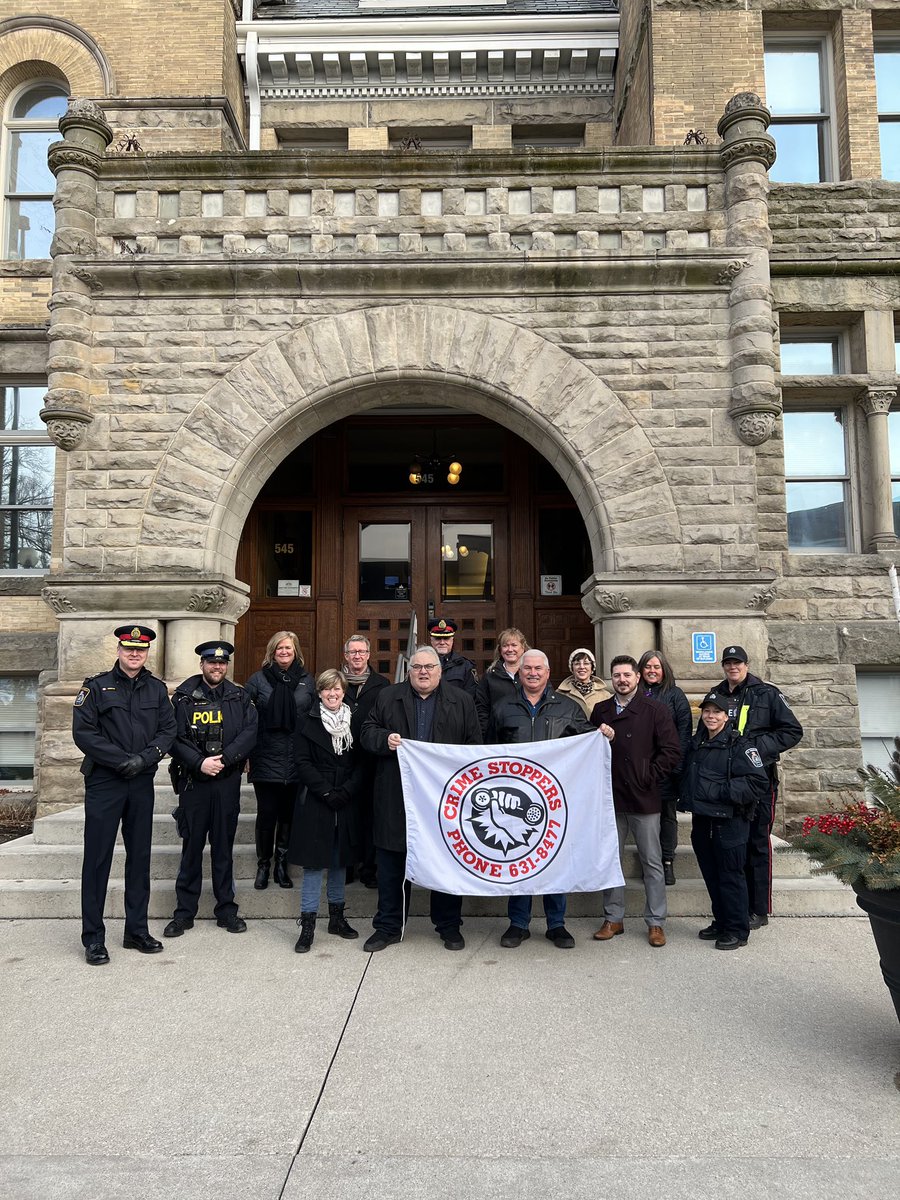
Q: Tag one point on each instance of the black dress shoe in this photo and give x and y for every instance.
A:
(177, 926)
(710, 933)
(669, 872)
(728, 941)
(95, 955)
(453, 940)
(379, 940)
(514, 937)
(234, 923)
(561, 938)
(757, 920)
(143, 942)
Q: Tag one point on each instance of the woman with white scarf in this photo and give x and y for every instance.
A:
(325, 833)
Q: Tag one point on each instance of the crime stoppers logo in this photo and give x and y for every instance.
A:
(503, 818)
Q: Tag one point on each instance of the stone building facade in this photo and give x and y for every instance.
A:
(562, 222)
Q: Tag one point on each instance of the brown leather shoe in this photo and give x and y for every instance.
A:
(609, 929)
(655, 936)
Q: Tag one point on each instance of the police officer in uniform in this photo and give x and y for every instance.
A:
(760, 712)
(216, 731)
(123, 723)
(457, 671)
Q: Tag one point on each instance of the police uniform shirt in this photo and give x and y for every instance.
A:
(206, 717)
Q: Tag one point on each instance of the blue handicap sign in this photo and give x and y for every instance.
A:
(703, 648)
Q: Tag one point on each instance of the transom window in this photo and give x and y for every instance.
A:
(31, 123)
(810, 356)
(887, 82)
(817, 481)
(797, 95)
(27, 462)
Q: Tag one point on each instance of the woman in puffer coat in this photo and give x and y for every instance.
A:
(282, 691)
(327, 830)
(658, 682)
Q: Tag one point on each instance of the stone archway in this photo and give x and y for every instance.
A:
(334, 366)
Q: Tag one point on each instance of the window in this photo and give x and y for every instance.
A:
(894, 440)
(817, 481)
(31, 124)
(887, 82)
(810, 356)
(797, 94)
(18, 717)
(879, 714)
(27, 460)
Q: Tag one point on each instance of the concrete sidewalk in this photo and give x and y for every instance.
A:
(230, 1068)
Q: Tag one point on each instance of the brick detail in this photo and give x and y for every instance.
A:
(367, 138)
(491, 137)
(859, 154)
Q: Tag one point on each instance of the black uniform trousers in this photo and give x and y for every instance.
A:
(274, 807)
(210, 808)
(108, 801)
(759, 855)
(721, 848)
(393, 897)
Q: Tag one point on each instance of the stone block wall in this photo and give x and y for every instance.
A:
(858, 217)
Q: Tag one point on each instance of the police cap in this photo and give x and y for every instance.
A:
(716, 699)
(214, 651)
(738, 653)
(442, 627)
(134, 637)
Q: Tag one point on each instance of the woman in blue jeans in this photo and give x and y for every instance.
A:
(325, 833)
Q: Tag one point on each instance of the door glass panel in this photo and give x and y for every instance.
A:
(467, 560)
(384, 570)
(286, 554)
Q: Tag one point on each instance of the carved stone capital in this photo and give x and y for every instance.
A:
(85, 117)
(63, 155)
(876, 400)
(65, 418)
(754, 428)
(211, 599)
(57, 600)
(67, 434)
(763, 598)
(729, 273)
(759, 149)
(612, 602)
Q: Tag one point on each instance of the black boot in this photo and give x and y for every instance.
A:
(279, 872)
(262, 874)
(669, 872)
(307, 925)
(337, 924)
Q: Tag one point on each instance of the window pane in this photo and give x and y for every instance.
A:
(467, 560)
(817, 518)
(793, 82)
(384, 569)
(887, 80)
(809, 358)
(285, 553)
(894, 437)
(879, 714)
(800, 158)
(889, 136)
(895, 502)
(26, 475)
(814, 444)
(19, 407)
(18, 716)
(25, 537)
(28, 173)
(29, 228)
(563, 548)
(44, 103)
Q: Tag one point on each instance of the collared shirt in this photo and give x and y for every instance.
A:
(623, 702)
(424, 706)
(534, 707)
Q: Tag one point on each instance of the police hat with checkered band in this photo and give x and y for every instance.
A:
(134, 637)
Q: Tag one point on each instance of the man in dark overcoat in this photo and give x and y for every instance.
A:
(363, 686)
(424, 709)
(123, 724)
(216, 731)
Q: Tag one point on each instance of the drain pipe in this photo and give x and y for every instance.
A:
(251, 62)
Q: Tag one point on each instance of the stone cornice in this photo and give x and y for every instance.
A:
(834, 263)
(402, 275)
(73, 596)
(645, 595)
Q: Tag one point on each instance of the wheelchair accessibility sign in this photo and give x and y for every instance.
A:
(703, 648)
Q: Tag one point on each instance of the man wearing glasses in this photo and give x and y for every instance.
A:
(425, 710)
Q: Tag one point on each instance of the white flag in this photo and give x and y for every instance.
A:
(529, 819)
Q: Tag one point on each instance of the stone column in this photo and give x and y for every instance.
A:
(75, 162)
(747, 153)
(182, 637)
(876, 403)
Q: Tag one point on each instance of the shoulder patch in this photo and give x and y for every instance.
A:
(82, 696)
(753, 754)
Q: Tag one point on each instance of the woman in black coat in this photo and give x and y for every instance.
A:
(658, 682)
(282, 691)
(326, 828)
(498, 683)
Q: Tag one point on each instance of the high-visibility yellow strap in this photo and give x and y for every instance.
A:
(742, 717)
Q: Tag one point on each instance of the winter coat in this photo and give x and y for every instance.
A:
(455, 723)
(115, 717)
(680, 710)
(761, 713)
(644, 751)
(496, 684)
(556, 716)
(315, 822)
(362, 696)
(597, 693)
(235, 732)
(273, 759)
(459, 672)
(723, 776)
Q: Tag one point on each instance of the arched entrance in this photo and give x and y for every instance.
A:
(344, 536)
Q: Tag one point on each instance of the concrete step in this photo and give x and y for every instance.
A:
(36, 898)
(67, 829)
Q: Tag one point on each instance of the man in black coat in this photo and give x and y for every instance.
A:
(216, 731)
(424, 709)
(537, 714)
(123, 724)
(455, 668)
(363, 686)
(760, 712)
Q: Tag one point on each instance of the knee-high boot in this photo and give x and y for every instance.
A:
(263, 863)
(279, 873)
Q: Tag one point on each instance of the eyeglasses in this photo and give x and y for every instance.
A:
(419, 667)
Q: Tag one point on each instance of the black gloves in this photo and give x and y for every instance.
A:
(336, 799)
(131, 766)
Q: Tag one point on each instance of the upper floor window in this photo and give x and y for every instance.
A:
(810, 356)
(797, 95)
(894, 439)
(27, 460)
(30, 124)
(817, 481)
(887, 82)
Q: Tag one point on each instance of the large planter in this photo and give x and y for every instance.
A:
(883, 909)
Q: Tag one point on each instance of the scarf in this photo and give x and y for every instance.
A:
(356, 680)
(584, 688)
(338, 725)
(281, 711)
